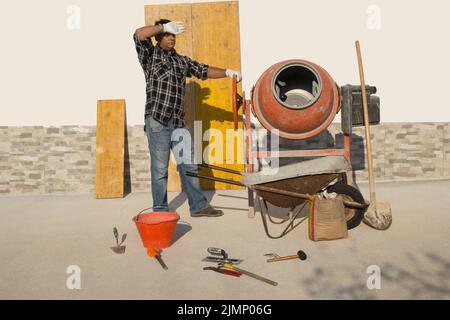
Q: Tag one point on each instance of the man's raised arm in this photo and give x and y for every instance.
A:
(217, 73)
(149, 31)
(175, 27)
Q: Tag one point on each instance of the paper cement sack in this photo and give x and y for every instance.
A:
(327, 220)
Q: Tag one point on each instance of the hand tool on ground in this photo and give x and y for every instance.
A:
(378, 215)
(224, 271)
(220, 256)
(161, 262)
(116, 235)
(217, 252)
(119, 249)
(156, 253)
(231, 267)
(301, 255)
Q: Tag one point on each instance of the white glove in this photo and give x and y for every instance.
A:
(175, 27)
(230, 73)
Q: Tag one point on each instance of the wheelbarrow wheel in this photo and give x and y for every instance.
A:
(353, 217)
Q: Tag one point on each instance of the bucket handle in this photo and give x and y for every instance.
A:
(139, 214)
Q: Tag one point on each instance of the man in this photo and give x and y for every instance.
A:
(165, 74)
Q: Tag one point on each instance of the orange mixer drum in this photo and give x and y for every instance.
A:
(296, 97)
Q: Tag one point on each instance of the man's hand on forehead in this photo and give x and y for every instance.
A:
(175, 27)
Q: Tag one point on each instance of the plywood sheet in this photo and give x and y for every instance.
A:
(216, 41)
(110, 149)
(212, 37)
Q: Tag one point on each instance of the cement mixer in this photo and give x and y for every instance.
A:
(300, 99)
(297, 100)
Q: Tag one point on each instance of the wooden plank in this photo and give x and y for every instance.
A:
(177, 12)
(110, 151)
(217, 44)
(216, 41)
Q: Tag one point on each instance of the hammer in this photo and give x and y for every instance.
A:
(275, 258)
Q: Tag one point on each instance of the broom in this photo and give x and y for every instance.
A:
(378, 215)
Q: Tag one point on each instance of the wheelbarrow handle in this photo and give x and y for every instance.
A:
(208, 166)
(196, 175)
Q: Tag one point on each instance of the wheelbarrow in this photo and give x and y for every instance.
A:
(292, 186)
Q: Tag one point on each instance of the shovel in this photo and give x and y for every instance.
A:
(378, 215)
(119, 249)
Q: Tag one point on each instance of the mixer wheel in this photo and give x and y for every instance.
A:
(347, 192)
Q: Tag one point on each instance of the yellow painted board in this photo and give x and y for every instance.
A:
(216, 42)
(177, 12)
(110, 149)
(212, 37)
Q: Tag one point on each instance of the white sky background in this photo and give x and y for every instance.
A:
(51, 75)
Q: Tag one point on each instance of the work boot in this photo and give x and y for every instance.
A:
(208, 212)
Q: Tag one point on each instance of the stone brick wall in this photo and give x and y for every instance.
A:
(47, 160)
(401, 151)
(139, 162)
(40, 160)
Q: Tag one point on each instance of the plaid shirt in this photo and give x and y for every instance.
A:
(165, 75)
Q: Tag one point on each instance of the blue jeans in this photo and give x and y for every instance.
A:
(160, 143)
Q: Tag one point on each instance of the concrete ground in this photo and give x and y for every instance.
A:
(42, 235)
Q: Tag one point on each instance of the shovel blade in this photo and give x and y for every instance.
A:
(118, 250)
(379, 216)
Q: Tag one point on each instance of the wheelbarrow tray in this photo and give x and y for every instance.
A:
(307, 177)
(289, 186)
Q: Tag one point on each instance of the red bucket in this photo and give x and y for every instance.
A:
(157, 229)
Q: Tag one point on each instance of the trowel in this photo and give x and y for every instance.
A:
(156, 253)
(119, 249)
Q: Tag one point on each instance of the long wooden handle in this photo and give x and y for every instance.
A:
(367, 125)
(255, 276)
(250, 274)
